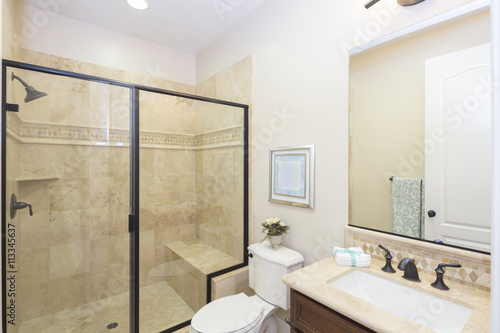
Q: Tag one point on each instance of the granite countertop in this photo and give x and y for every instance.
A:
(313, 280)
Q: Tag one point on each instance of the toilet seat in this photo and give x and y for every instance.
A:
(232, 314)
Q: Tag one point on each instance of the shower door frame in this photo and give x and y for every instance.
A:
(134, 218)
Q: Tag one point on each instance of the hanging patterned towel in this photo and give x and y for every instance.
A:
(353, 256)
(408, 199)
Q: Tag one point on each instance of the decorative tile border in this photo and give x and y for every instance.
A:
(168, 139)
(233, 135)
(476, 267)
(61, 134)
(57, 133)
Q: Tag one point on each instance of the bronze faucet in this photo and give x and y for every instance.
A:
(408, 266)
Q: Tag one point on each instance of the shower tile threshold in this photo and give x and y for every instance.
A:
(160, 308)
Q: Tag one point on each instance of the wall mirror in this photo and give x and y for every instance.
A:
(420, 137)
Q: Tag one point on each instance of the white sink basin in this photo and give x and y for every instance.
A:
(424, 309)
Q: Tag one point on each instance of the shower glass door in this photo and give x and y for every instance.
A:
(192, 203)
(67, 199)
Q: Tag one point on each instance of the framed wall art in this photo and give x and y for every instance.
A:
(292, 176)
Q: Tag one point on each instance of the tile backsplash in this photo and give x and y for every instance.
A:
(476, 267)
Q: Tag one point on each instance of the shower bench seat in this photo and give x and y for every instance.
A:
(196, 259)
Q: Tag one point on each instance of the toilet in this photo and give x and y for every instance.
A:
(242, 314)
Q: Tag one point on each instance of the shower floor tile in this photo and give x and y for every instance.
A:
(160, 308)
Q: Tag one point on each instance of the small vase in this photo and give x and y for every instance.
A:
(275, 241)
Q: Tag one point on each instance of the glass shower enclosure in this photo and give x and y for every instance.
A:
(120, 202)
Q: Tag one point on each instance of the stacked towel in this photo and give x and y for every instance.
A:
(353, 256)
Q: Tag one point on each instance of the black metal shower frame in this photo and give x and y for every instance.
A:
(134, 181)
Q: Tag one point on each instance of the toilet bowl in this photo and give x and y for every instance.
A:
(243, 314)
(236, 314)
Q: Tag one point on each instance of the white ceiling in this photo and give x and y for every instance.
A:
(185, 25)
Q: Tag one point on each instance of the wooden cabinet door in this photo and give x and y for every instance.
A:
(309, 316)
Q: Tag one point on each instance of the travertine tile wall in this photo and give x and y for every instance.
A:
(166, 180)
(218, 221)
(220, 190)
(167, 203)
(232, 283)
(14, 224)
(75, 248)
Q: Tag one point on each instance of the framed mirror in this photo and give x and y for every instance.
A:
(420, 131)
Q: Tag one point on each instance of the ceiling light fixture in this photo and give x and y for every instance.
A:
(138, 4)
(371, 3)
(409, 2)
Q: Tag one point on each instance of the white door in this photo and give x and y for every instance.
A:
(458, 165)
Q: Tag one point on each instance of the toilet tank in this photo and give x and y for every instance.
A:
(266, 268)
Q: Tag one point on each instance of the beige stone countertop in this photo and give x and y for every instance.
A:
(313, 281)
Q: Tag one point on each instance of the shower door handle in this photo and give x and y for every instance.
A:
(131, 223)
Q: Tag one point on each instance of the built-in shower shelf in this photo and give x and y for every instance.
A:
(28, 178)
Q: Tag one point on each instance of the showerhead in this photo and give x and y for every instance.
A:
(31, 93)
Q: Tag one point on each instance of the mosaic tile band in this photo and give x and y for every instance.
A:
(60, 134)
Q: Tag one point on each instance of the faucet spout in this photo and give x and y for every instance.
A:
(410, 269)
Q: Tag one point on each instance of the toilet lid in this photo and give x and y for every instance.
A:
(236, 313)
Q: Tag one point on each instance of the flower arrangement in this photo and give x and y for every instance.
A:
(273, 227)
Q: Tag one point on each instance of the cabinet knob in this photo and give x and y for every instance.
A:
(288, 321)
(431, 213)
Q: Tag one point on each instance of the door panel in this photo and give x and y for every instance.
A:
(458, 147)
(67, 154)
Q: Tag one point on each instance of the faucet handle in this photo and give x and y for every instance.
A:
(440, 266)
(387, 252)
(388, 257)
(439, 283)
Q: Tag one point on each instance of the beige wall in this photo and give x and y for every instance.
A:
(10, 44)
(45, 31)
(301, 97)
(387, 113)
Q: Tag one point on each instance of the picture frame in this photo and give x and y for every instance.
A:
(291, 177)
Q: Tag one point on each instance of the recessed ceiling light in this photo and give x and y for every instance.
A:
(138, 4)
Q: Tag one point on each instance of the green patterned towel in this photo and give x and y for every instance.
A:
(408, 199)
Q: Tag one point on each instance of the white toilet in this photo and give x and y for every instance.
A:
(255, 314)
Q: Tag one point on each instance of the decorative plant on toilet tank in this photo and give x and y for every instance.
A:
(274, 228)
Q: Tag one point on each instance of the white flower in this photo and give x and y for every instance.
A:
(282, 224)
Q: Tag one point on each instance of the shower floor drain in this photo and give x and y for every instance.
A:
(111, 326)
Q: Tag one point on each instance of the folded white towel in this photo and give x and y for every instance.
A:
(353, 256)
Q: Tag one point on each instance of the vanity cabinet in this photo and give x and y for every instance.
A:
(309, 316)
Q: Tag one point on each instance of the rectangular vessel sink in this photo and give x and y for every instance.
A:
(424, 309)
